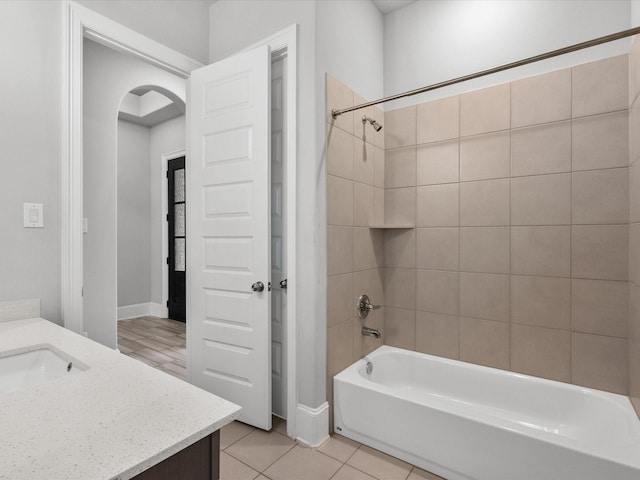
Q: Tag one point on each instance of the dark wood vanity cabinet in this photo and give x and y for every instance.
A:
(200, 461)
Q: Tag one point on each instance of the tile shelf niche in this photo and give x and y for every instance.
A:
(388, 226)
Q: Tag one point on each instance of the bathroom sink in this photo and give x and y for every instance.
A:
(38, 365)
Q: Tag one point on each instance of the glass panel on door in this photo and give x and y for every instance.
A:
(177, 239)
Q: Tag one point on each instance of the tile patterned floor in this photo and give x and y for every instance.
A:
(247, 453)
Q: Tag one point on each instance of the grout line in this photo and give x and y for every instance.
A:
(243, 463)
(510, 267)
(458, 230)
(240, 461)
(488, 179)
(516, 129)
(571, 266)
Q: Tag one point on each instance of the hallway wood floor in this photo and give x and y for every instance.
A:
(159, 342)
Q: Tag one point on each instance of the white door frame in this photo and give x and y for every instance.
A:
(80, 22)
(286, 40)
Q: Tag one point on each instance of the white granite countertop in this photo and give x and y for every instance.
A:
(112, 421)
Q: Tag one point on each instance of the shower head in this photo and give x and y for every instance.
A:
(376, 126)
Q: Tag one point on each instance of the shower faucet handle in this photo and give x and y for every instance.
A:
(364, 306)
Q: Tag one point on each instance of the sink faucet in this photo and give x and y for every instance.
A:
(370, 332)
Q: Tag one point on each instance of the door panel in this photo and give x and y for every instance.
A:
(229, 334)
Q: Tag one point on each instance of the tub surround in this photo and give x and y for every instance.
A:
(113, 421)
(525, 202)
(355, 202)
(634, 227)
(519, 257)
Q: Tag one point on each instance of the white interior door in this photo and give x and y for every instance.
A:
(228, 224)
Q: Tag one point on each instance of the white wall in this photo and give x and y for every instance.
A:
(31, 35)
(141, 180)
(134, 214)
(432, 41)
(164, 138)
(635, 13)
(108, 76)
(180, 24)
(350, 43)
(30, 143)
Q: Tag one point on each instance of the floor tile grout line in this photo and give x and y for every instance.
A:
(378, 478)
(379, 451)
(236, 441)
(271, 464)
(243, 463)
(288, 450)
(337, 459)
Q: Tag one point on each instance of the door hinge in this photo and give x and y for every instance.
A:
(167, 217)
(167, 173)
(167, 303)
(167, 260)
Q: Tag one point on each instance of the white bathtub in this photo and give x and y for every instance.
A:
(468, 422)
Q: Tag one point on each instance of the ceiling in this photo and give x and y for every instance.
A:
(386, 6)
(140, 91)
(147, 107)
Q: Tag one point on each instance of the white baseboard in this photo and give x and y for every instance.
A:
(141, 310)
(158, 310)
(312, 424)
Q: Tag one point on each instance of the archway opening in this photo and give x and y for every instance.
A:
(151, 239)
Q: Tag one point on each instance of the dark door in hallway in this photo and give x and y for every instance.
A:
(177, 240)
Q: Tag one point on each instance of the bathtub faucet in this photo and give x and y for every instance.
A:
(370, 332)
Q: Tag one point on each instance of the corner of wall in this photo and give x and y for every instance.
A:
(312, 424)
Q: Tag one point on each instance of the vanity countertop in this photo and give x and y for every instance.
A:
(112, 421)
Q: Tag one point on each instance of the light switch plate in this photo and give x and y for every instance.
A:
(33, 215)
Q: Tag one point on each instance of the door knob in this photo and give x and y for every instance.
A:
(283, 284)
(257, 287)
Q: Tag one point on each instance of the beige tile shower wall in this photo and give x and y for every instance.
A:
(355, 200)
(634, 225)
(519, 193)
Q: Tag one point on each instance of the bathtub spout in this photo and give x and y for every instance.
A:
(370, 332)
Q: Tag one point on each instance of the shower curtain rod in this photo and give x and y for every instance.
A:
(335, 113)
